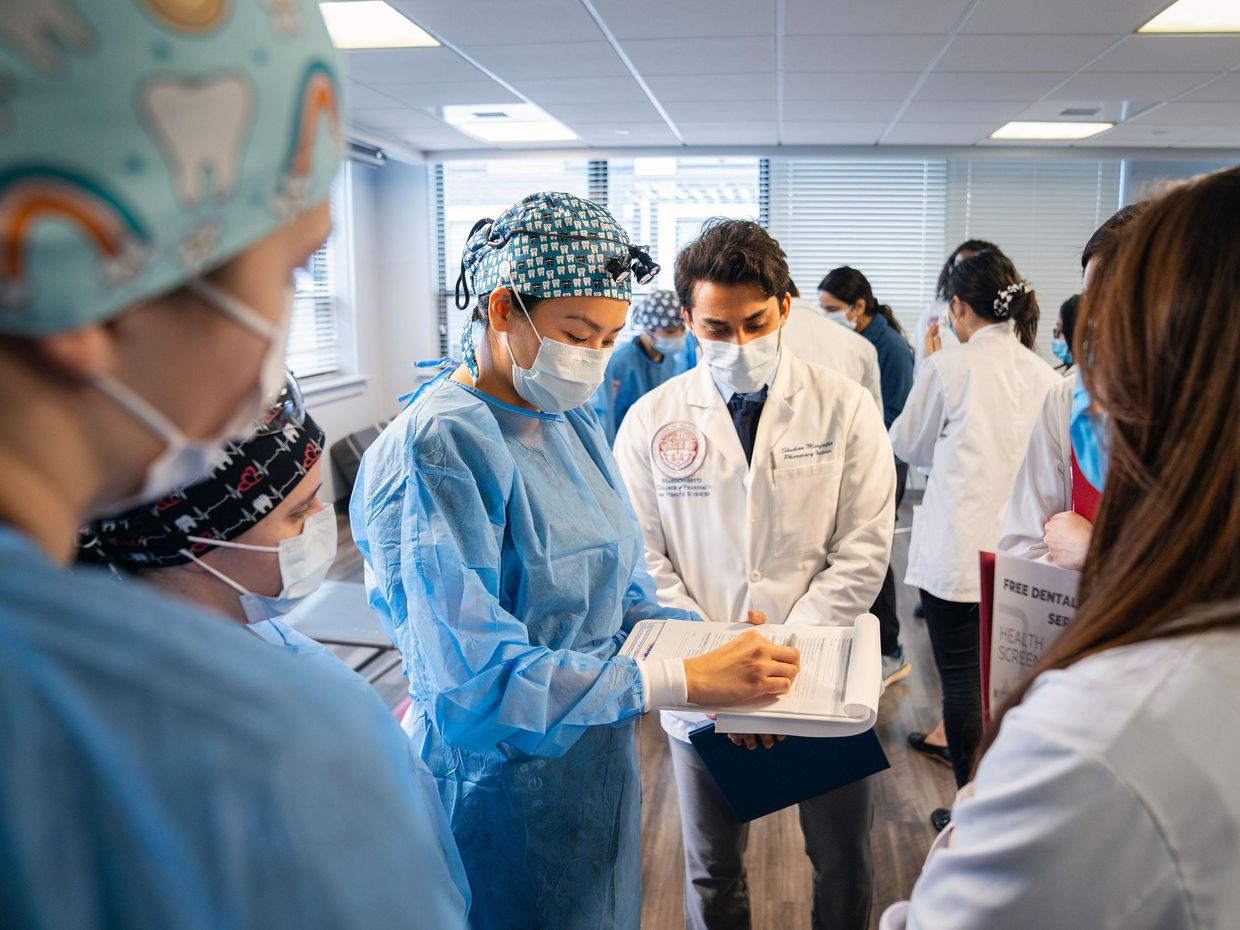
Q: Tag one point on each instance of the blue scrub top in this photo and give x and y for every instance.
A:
(895, 366)
(164, 768)
(631, 374)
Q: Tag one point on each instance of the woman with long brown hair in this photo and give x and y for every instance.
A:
(1107, 796)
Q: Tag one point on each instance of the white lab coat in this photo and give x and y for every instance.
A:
(1109, 799)
(969, 416)
(1044, 484)
(813, 338)
(803, 535)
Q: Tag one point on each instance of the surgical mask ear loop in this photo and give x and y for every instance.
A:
(218, 574)
(503, 270)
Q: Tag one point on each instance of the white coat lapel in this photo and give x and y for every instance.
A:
(779, 411)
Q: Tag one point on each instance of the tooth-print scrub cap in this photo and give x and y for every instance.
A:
(144, 142)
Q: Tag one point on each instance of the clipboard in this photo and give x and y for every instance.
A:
(757, 782)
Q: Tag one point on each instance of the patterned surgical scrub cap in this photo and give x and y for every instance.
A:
(551, 245)
(254, 476)
(144, 142)
(656, 310)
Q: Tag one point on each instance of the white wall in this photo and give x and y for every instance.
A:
(394, 288)
(1143, 177)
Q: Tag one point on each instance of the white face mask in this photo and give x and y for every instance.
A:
(838, 316)
(742, 369)
(304, 562)
(562, 376)
(668, 345)
(184, 460)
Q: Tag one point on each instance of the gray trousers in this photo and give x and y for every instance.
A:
(836, 826)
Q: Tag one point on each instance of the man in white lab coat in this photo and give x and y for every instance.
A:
(811, 337)
(761, 483)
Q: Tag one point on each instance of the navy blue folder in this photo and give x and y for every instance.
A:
(757, 782)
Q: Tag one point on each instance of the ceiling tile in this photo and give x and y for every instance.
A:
(962, 111)
(840, 111)
(1224, 90)
(729, 133)
(1065, 17)
(700, 111)
(989, 85)
(565, 60)
(502, 22)
(890, 17)
(860, 53)
(360, 97)
(672, 88)
(864, 133)
(937, 133)
(1107, 111)
(1171, 53)
(637, 109)
(1123, 85)
(1146, 135)
(457, 93)
(1021, 53)
(600, 91)
(701, 56)
(444, 139)
(625, 134)
(398, 121)
(653, 19)
(849, 85)
(408, 65)
(1200, 114)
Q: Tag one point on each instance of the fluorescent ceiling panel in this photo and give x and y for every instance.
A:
(512, 122)
(372, 24)
(1197, 16)
(1031, 129)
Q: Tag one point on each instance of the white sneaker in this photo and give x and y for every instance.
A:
(895, 667)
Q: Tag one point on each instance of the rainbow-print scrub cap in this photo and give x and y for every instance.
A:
(145, 142)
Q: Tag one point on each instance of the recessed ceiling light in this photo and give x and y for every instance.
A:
(372, 24)
(509, 122)
(1197, 16)
(1030, 129)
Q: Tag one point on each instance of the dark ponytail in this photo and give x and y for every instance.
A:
(850, 286)
(992, 287)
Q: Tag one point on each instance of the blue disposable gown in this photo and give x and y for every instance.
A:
(631, 374)
(164, 768)
(322, 661)
(505, 561)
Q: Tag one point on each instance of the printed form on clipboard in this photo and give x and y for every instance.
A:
(835, 694)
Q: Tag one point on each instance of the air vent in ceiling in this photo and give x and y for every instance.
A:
(1081, 111)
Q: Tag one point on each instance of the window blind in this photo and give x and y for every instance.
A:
(314, 343)
(885, 217)
(1041, 213)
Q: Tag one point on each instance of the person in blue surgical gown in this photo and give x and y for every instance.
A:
(163, 767)
(505, 561)
(661, 350)
(257, 543)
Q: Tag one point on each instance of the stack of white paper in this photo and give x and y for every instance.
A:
(835, 694)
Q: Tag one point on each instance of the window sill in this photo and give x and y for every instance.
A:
(329, 388)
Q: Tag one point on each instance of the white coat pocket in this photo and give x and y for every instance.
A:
(805, 498)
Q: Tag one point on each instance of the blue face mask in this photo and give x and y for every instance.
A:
(1087, 429)
(1061, 351)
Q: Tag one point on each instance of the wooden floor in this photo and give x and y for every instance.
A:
(779, 872)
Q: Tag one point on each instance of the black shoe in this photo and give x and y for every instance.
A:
(937, 753)
(919, 612)
(940, 819)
